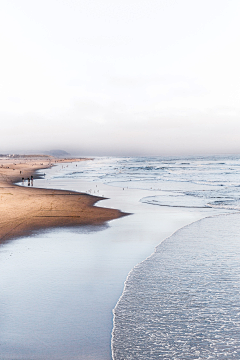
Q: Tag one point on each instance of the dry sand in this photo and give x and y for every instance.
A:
(26, 209)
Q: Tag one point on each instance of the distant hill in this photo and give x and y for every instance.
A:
(57, 153)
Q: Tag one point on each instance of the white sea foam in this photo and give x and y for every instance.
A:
(183, 301)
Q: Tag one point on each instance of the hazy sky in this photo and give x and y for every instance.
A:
(120, 76)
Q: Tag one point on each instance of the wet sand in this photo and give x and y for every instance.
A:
(24, 210)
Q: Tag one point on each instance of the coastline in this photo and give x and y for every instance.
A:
(24, 210)
(80, 272)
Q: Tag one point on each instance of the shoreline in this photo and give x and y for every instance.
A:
(24, 210)
(71, 269)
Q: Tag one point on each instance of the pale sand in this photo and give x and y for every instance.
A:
(26, 209)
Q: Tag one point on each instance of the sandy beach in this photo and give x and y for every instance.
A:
(24, 210)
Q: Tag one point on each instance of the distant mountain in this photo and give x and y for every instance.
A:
(57, 153)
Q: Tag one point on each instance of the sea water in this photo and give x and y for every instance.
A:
(183, 301)
(59, 287)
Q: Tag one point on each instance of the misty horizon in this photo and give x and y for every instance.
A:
(125, 78)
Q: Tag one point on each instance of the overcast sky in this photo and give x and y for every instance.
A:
(120, 77)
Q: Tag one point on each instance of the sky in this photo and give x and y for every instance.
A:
(129, 77)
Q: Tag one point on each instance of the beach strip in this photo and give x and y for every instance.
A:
(25, 209)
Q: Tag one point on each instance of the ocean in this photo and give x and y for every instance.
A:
(161, 283)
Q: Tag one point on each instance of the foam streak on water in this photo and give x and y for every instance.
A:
(195, 182)
(183, 301)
